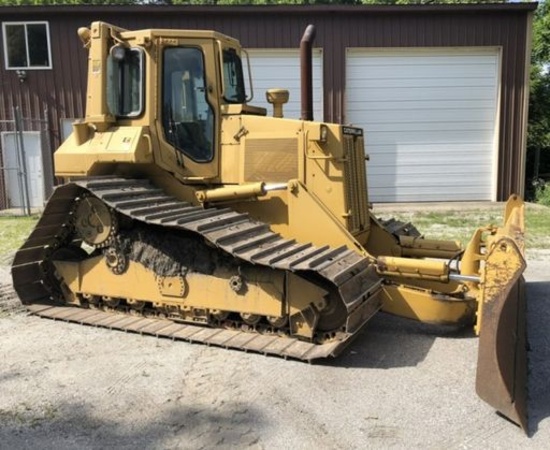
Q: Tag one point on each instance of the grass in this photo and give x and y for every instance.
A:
(538, 227)
(542, 194)
(452, 224)
(14, 231)
(459, 225)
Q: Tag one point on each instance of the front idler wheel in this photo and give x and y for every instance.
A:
(95, 222)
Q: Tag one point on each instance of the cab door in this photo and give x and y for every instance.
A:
(189, 112)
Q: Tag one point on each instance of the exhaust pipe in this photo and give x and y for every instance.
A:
(307, 72)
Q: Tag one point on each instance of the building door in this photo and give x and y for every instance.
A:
(32, 145)
(281, 69)
(431, 121)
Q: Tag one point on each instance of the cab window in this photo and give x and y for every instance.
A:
(125, 71)
(187, 117)
(233, 81)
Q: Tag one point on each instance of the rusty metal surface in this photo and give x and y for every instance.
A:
(501, 378)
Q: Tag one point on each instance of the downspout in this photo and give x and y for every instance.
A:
(306, 78)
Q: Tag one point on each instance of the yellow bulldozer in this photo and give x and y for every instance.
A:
(187, 212)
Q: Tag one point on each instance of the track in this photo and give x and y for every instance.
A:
(235, 233)
(267, 344)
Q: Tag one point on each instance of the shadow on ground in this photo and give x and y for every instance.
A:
(538, 336)
(389, 341)
(82, 426)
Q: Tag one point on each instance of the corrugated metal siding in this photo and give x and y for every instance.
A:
(58, 92)
(338, 27)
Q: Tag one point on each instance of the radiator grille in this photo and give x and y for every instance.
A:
(355, 184)
(274, 160)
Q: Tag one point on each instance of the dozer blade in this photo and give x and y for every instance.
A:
(501, 378)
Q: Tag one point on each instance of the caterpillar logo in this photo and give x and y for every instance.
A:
(352, 131)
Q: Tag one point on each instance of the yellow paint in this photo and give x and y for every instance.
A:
(424, 306)
(325, 202)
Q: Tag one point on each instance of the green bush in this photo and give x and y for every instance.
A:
(542, 194)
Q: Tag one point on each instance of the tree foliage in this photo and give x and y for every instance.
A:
(538, 140)
(236, 2)
(68, 2)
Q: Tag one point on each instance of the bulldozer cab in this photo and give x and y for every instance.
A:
(175, 82)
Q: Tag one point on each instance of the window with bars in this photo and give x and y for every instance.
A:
(26, 45)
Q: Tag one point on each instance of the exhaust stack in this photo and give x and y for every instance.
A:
(307, 72)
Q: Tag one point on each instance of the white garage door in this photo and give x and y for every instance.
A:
(274, 68)
(430, 118)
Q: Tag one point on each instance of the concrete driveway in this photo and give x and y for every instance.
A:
(400, 385)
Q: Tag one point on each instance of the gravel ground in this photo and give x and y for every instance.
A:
(400, 385)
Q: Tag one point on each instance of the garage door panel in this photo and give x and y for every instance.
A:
(418, 56)
(462, 115)
(466, 193)
(280, 69)
(446, 57)
(407, 72)
(386, 165)
(388, 161)
(278, 74)
(430, 121)
(426, 94)
(450, 181)
(406, 65)
(422, 159)
(451, 171)
(432, 105)
(412, 194)
(441, 163)
(275, 61)
(416, 127)
(434, 137)
(426, 82)
(430, 149)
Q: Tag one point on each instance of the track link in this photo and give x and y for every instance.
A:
(235, 233)
(268, 344)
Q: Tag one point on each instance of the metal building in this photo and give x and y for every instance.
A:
(441, 90)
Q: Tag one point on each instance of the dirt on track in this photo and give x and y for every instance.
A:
(400, 385)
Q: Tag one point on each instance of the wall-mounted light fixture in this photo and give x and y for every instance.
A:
(22, 75)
